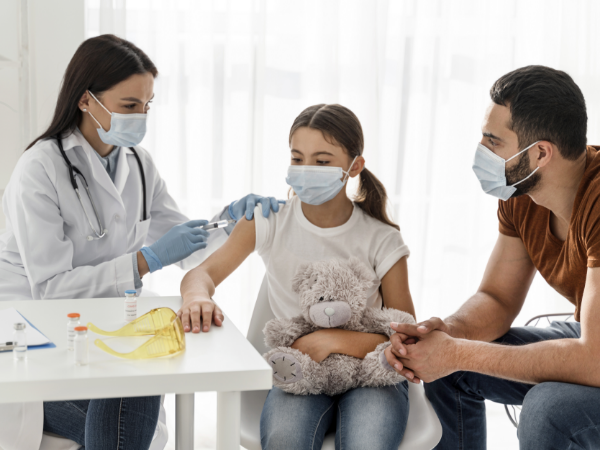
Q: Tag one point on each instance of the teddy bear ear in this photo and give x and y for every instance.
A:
(302, 274)
(360, 270)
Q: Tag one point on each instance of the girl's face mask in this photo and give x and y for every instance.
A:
(315, 185)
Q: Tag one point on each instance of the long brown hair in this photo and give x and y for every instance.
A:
(98, 64)
(340, 125)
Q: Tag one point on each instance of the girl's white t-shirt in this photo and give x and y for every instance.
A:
(287, 239)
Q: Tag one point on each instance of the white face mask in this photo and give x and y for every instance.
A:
(316, 185)
(490, 170)
(126, 130)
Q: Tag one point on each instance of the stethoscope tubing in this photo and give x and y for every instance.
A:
(73, 171)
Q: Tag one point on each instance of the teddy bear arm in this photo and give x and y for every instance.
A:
(378, 320)
(283, 332)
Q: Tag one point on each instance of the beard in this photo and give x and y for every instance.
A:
(520, 172)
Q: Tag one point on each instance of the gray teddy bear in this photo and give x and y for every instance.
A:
(332, 295)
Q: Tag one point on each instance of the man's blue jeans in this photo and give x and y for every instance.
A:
(113, 423)
(363, 418)
(554, 415)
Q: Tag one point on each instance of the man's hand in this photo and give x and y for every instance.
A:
(392, 359)
(195, 311)
(407, 333)
(433, 357)
(318, 345)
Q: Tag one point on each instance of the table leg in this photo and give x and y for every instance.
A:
(228, 420)
(184, 421)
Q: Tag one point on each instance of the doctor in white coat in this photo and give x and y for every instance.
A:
(81, 204)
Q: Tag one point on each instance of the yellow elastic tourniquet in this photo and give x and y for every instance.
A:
(144, 325)
(162, 322)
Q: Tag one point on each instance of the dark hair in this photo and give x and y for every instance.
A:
(340, 126)
(98, 64)
(545, 104)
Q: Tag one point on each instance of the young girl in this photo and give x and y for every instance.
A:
(320, 222)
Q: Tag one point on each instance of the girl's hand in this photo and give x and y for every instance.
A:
(318, 345)
(395, 362)
(195, 311)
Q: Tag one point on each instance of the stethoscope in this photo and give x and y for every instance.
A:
(75, 171)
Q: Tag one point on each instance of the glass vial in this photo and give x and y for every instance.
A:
(130, 305)
(71, 324)
(20, 341)
(81, 346)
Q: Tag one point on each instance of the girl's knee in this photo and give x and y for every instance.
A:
(374, 417)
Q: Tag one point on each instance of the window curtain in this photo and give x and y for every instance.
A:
(234, 75)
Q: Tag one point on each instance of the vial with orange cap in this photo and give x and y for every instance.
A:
(71, 324)
(81, 346)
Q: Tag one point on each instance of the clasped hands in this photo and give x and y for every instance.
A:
(425, 351)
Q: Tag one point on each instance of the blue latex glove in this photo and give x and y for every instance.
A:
(246, 205)
(178, 243)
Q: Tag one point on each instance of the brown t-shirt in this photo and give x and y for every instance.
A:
(562, 264)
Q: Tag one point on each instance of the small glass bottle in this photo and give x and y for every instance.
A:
(71, 324)
(20, 341)
(130, 305)
(81, 346)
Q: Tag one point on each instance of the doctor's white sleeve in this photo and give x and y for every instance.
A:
(165, 214)
(47, 253)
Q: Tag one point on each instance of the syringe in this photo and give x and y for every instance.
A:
(219, 224)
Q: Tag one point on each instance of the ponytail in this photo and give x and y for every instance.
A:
(372, 198)
(341, 125)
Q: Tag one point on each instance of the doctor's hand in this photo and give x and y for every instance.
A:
(196, 312)
(246, 205)
(178, 243)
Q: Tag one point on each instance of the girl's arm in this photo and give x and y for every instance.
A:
(396, 294)
(394, 288)
(198, 285)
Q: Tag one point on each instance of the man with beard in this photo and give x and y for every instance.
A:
(533, 156)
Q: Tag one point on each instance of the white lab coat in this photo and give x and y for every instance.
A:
(47, 253)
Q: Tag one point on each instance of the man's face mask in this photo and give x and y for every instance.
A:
(316, 185)
(162, 322)
(490, 170)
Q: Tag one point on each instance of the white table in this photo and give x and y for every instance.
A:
(221, 360)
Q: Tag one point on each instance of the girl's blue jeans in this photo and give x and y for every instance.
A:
(363, 418)
(113, 423)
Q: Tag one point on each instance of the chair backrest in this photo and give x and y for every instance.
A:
(261, 315)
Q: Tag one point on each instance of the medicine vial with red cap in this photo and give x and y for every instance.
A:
(71, 324)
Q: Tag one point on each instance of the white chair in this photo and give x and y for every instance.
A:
(423, 430)
(52, 442)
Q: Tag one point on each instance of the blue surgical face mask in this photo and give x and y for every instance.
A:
(316, 185)
(490, 170)
(126, 130)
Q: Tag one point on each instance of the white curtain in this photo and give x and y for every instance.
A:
(234, 75)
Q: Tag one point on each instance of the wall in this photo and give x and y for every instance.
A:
(37, 40)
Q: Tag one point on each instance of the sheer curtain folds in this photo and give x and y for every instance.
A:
(234, 74)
